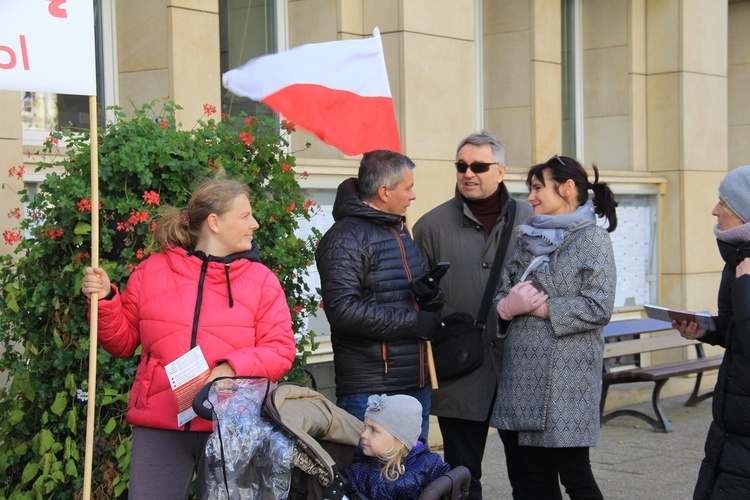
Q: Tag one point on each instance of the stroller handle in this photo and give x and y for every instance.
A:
(198, 403)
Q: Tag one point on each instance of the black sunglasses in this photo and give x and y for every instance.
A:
(556, 157)
(477, 167)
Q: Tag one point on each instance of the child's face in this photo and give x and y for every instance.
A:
(376, 440)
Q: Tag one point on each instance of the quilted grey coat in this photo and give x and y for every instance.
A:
(549, 389)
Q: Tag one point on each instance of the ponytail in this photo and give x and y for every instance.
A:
(604, 201)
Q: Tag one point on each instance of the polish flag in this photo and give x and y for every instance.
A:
(337, 90)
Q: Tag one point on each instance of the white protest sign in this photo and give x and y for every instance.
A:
(47, 46)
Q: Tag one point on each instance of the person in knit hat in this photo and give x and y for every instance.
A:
(725, 470)
(735, 191)
(391, 461)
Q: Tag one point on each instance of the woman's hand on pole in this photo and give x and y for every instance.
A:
(95, 280)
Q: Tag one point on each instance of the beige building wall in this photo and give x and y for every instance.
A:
(687, 139)
(169, 48)
(738, 73)
(11, 155)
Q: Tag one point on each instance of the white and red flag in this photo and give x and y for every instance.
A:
(337, 90)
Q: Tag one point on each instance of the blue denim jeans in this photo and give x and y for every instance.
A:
(356, 404)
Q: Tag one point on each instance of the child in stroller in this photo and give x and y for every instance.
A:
(391, 462)
(323, 439)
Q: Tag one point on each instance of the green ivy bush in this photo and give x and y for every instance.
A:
(145, 161)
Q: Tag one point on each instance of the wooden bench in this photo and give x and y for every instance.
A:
(625, 338)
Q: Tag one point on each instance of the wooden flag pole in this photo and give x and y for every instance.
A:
(93, 342)
(431, 366)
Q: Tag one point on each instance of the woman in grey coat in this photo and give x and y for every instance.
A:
(557, 293)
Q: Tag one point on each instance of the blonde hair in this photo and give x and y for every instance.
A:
(392, 466)
(181, 228)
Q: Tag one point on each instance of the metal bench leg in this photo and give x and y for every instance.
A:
(659, 424)
(695, 396)
(664, 425)
(603, 400)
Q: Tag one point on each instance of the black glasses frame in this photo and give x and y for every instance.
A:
(556, 157)
(478, 167)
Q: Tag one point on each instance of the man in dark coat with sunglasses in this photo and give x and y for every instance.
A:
(466, 232)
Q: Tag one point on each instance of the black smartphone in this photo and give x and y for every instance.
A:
(438, 270)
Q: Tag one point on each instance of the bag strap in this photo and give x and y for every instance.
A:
(497, 265)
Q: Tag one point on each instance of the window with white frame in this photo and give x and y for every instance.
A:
(247, 29)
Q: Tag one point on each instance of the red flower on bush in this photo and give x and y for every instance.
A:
(55, 233)
(247, 138)
(285, 167)
(151, 198)
(163, 123)
(81, 256)
(288, 126)
(53, 141)
(308, 204)
(209, 109)
(84, 205)
(11, 237)
(139, 254)
(134, 219)
(290, 208)
(14, 213)
(17, 171)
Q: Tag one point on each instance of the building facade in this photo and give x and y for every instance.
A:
(656, 93)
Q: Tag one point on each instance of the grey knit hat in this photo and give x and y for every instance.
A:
(735, 191)
(401, 415)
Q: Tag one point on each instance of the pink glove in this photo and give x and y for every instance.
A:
(541, 311)
(521, 299)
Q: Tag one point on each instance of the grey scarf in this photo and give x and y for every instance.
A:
(543, 234)
(736, 235)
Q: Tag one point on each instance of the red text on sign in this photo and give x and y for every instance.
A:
(11, 63)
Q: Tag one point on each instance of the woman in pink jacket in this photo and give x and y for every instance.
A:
(205, 294)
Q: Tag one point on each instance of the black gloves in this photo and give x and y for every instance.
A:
(425, 289)
(427, 324)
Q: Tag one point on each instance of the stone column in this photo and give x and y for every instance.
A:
(169, 48)
(687, 139)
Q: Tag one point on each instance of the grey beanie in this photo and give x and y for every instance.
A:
(735, 191)
(401, 415)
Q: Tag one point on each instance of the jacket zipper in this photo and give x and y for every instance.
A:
(197, 313)
(416, 307)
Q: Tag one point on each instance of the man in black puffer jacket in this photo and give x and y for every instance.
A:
(375, 291)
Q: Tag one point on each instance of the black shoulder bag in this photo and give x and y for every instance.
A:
(457, 346)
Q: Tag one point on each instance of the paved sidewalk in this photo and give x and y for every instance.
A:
(631, 462)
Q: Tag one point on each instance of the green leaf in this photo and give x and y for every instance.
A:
(72, 420)
(70, 383)
(111, 424)
(10, 301)
(15, 417)
(70, 468)
(61, 401)
(29, 472)
(82, 228)
(46, 440)
(20, 448)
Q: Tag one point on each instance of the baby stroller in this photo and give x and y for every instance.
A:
(287, 441)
